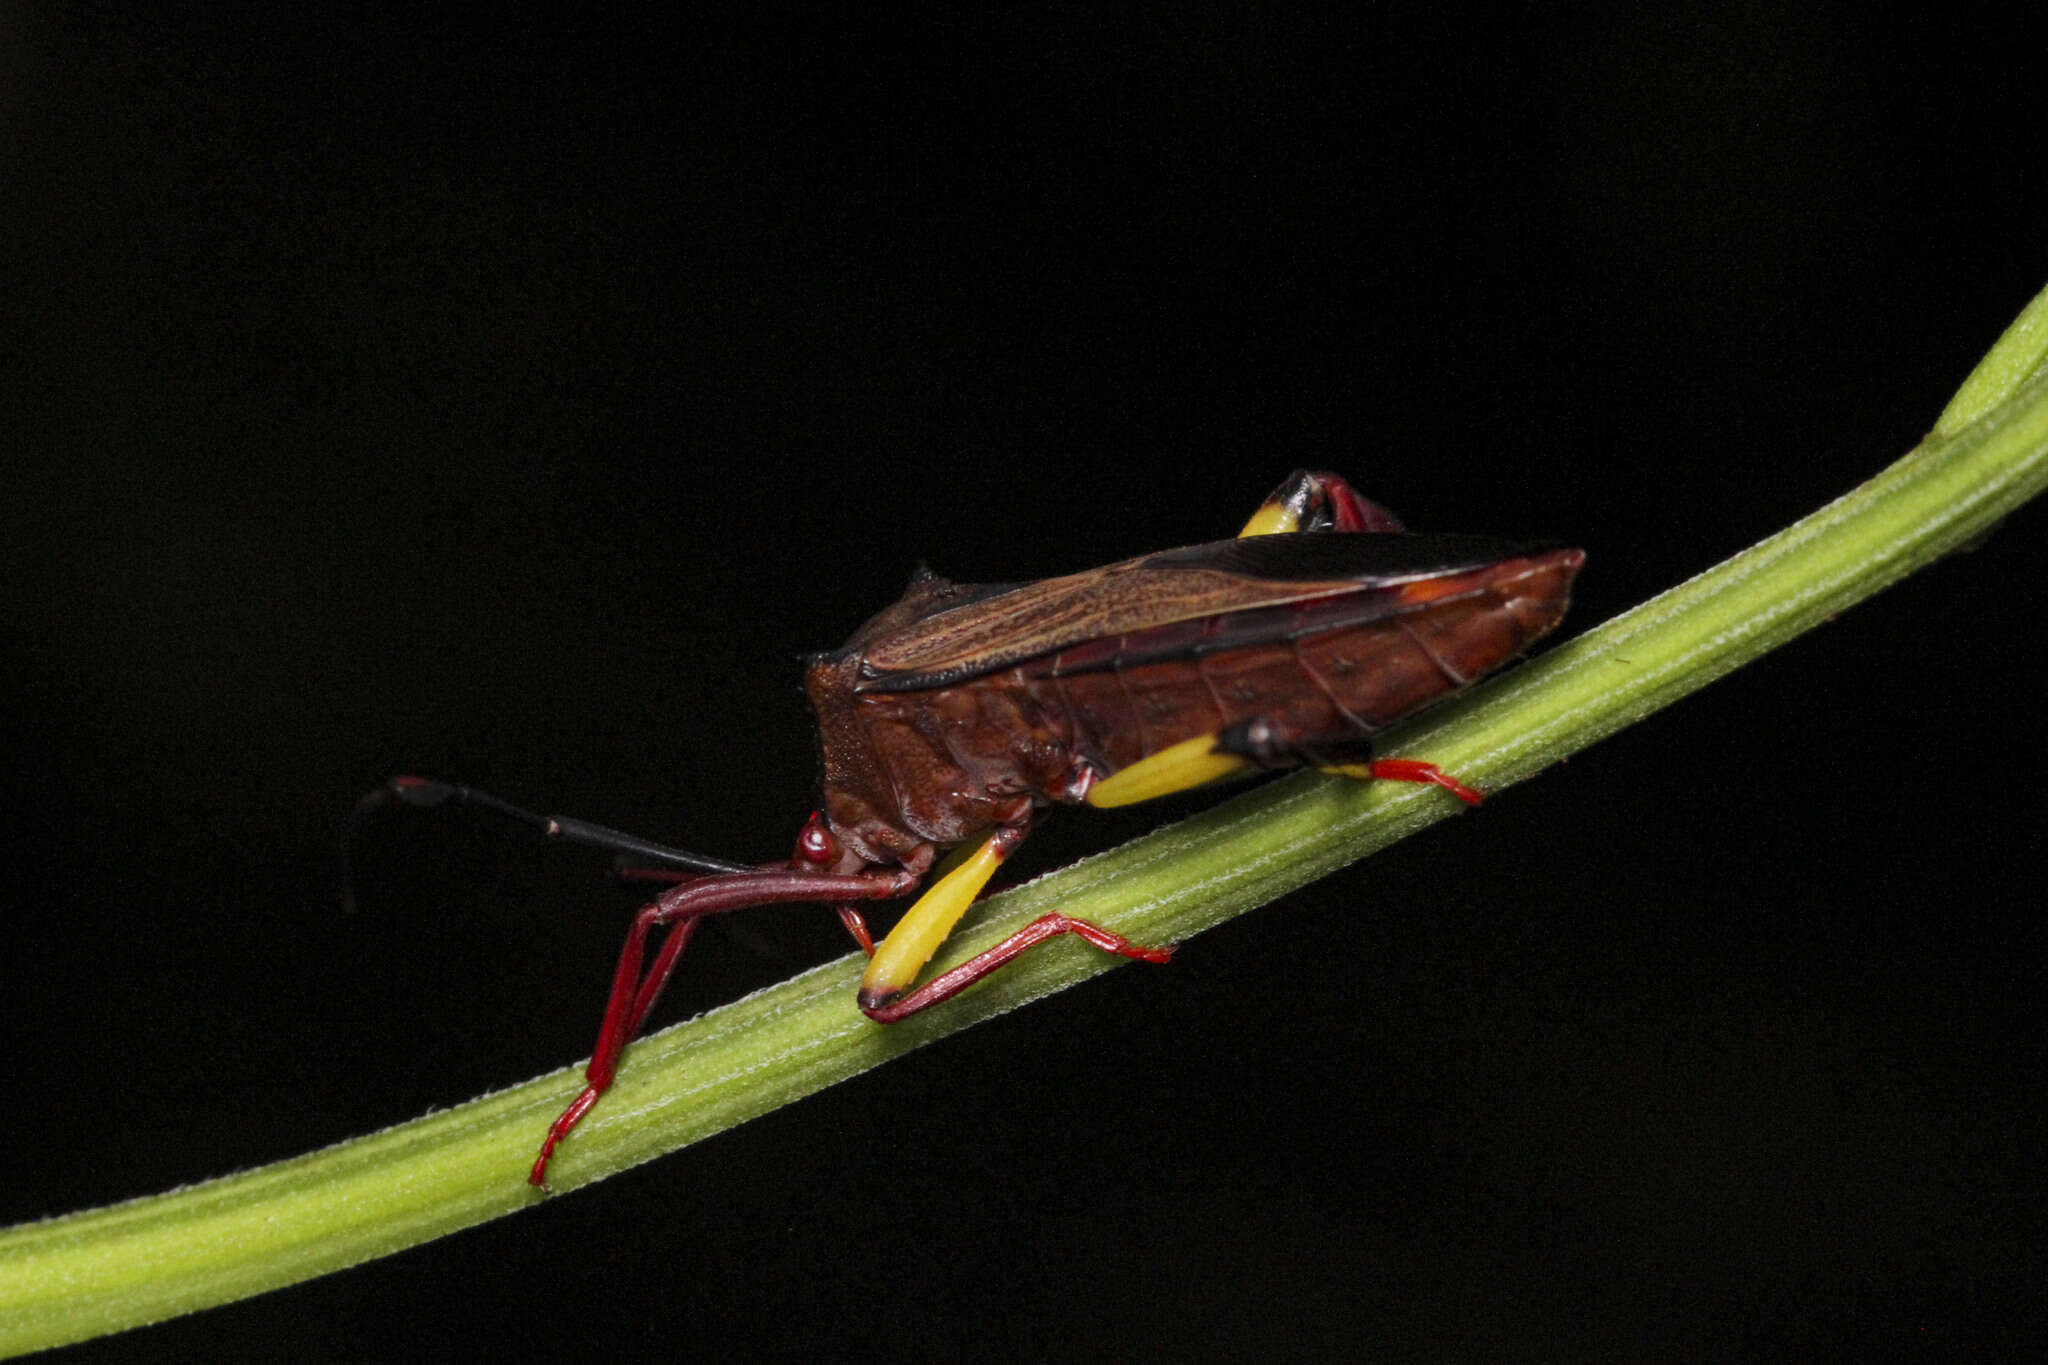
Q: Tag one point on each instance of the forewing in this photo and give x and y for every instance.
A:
(1219, 595)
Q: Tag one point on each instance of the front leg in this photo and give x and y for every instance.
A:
(635, 991)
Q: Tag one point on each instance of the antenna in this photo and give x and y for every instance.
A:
(628, 849)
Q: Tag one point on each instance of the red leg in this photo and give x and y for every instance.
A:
(1316, 500)
(634, 994)
(850, 916)
(1269, 744)
(665, 876)
(1415, 770)
(946, 985)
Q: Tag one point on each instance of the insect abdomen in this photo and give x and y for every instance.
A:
(1316, 677)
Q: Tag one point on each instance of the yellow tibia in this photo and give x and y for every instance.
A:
(925, 925)
(1190, 763)
(1274, 518)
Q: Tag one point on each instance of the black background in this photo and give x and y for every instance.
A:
(515, 404)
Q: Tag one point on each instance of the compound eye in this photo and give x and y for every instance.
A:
(815, 844)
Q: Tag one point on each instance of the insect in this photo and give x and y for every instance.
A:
(953, 717)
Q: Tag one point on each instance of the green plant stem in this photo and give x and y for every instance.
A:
(70, 1278)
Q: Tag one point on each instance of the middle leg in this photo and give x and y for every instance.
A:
(887, 991)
